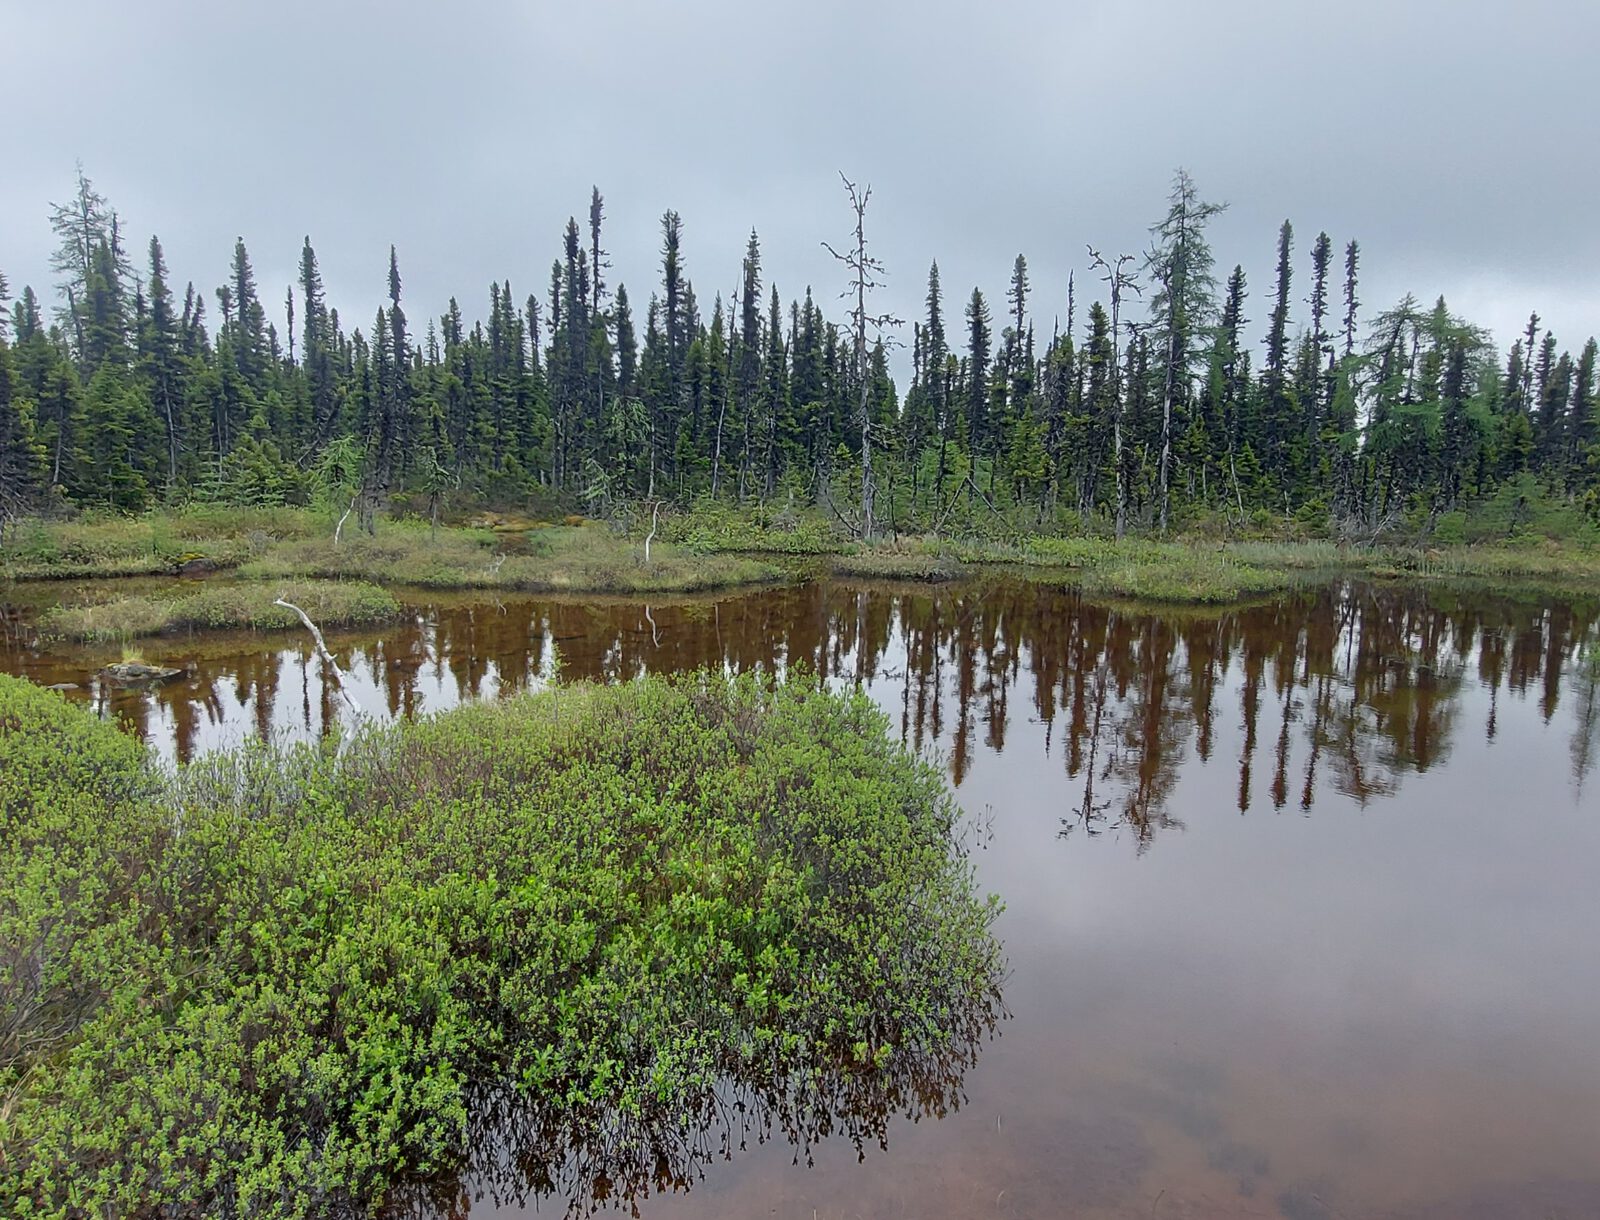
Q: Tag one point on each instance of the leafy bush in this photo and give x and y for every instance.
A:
(79, 838)
(713, 526)
(593, 909)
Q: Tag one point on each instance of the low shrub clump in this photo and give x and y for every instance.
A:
(712, 527)
(81, 841)
(455, 558)
(557, 929)
(1195, 576)
(329, 603)
(113, 546)
(897, 565)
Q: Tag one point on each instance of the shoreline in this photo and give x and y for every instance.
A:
(594, 560)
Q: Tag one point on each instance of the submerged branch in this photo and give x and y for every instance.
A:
(327, 657)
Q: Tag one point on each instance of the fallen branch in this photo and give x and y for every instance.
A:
(327, 657)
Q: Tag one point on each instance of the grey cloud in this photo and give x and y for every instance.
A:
(1454, 139)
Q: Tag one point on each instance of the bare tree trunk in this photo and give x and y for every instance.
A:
(338, 530)
(716, 453)
(867, 489)
(1117, 279)
(655, 510)
(864, 270)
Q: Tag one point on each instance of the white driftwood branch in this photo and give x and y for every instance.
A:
(322, 651)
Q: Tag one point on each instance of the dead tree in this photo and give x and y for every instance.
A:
(1118, 280)
(864, 271)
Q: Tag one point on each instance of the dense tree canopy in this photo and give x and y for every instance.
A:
(127, 396)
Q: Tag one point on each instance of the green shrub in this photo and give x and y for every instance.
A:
(79, 838)
(593, 909)
(713, 526)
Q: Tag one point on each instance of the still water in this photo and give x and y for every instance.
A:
(1302, 898)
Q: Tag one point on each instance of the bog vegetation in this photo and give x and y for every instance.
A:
(544, 939)
(329, 603)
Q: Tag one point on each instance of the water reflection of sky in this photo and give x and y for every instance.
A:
(1300, 897)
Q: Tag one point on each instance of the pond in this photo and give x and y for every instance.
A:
(1301, 901)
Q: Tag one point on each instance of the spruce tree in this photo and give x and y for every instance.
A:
(978, 343)
(317, 357)
(1275, 382)
(1180, 263)
(597, 257)
(1017, 294)
(21, 460)
(1352, 304)
(627, 346)
(935, 357)
(159, 363)
(1583, 426)
(248, 335)
(749, 351)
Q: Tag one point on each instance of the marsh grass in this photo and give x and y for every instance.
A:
(719, 546)
(896, 565)
(1198, 577)
(283, 981)
(232, 605)
(557, 559)
(1209, 572)
(94, 546)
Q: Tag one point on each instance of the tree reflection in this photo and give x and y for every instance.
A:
(608, 1158)
(1344, 689)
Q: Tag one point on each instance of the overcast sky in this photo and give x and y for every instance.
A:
(1456, 139)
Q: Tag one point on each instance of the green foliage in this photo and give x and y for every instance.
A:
(109, 545)
(328, 603)
(713, 526)
(591, 908)
(79, 840)
(1199, 576)
(549, 405)
(1519, 508)
(586, 559)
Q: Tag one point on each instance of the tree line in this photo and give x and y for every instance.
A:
(1159, 406)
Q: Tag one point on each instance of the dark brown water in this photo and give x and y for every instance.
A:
(1303, 899)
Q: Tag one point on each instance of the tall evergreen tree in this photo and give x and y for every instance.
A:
(978, 341)
(1017, 294)
(749, 347)
(159, 363)
(1180, 263)
(1352, 303)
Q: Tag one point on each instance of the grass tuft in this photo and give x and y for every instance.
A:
(329, 603)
